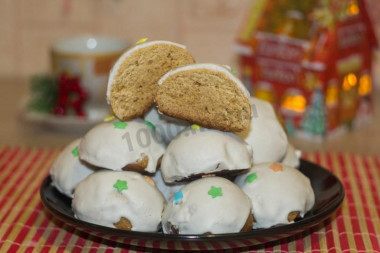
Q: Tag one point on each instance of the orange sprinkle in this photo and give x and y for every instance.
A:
(150, 180)
(276, 167)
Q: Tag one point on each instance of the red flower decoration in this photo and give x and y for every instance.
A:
(70, 96)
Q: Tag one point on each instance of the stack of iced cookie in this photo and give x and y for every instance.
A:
(190, 151)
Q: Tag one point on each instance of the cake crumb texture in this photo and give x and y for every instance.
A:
(135, 84)
(205, 97)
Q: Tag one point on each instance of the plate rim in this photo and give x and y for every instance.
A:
(298, 226)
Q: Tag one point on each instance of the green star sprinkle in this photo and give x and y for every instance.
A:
(150, 125)
(251, 177)
(233, 71)
(120, 185)
(215, 192)
(120, 125)
(75, 151)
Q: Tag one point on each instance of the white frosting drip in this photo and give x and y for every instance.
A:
(167, 127)
(199, 213)
(67, 170)
(109, 147)
(292, 157)
(265, 134)
(129, 52)
(275, 194)
(97, 201)
(204, 151)
(209, 66)
(167, 190)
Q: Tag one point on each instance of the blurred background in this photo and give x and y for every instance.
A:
(208, 28)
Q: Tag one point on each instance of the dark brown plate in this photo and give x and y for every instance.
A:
(329, 194)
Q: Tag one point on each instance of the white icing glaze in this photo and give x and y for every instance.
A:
(292, 157)
(129, 52)
(204, 151)
(67, 170)
(209, 66)
(262, 108)
(265, 134)
(96, 200)
(199, 213)
(109, 147)
(275, 194)
(167, 190)
(167, 127)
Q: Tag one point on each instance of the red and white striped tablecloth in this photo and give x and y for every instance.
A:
(26, 226)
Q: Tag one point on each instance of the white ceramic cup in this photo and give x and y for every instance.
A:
(90, 59)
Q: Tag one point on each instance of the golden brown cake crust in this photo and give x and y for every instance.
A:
(205, 97)
(124, 224)
(293, 215)
(173, 229)
(139, 165)
(135, 83)
(248, 224)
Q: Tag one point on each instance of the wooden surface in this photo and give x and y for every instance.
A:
(15, 131)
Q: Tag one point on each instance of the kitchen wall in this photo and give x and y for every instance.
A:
(28, 28)
(207, 27)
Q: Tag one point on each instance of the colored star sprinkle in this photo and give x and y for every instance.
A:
(142, 40)
(150, 125)
(177, 197)
(195, 127)
(276, 167)
(230, 69)
(251, 177)
(215, 192)
(150, 180)
(75, 151)
(120, 185)
(109, 118)
(120, 125)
